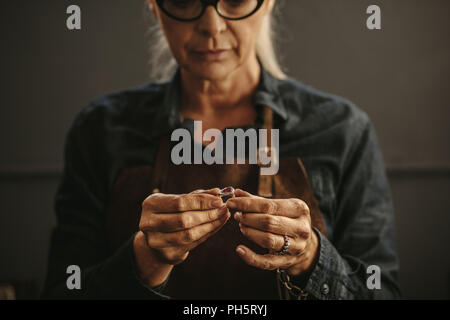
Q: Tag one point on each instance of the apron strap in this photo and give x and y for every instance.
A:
(161, 165)
(265, 185)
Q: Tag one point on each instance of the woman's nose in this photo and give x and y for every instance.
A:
(211, 23)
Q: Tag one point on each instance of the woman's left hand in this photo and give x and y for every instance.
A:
(266, 222)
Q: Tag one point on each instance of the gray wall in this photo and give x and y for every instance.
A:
(399, 76)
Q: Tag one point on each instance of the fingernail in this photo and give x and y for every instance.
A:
(231, 204)
(238, 216)
(240, 251)
(217, 203)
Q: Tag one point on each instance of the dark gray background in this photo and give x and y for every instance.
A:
(398, 75)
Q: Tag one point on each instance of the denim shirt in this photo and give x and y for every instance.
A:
(335, 140)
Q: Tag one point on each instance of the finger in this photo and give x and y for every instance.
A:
(185, 237)
(172, 222)
(206, 236)
(214, 191)
(273, 242)
(197, 191)
(179, 254)
(292, 208)
(242, 193)
(266, 261)
(270, 223)
(160, 202)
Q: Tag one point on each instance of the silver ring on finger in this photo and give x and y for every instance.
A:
(285, 248)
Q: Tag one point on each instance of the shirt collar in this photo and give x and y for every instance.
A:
(266, 94)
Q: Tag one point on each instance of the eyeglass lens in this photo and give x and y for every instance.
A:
(191, 9)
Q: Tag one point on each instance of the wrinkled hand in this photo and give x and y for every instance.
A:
(265, 222)
(175, 224)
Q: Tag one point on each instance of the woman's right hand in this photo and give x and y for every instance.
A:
(171, 226)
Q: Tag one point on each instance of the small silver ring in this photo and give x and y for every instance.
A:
(286, 245)
(226, 192)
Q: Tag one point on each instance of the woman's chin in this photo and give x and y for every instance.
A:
(212, 71)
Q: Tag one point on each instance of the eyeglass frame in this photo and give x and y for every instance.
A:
(205, 4)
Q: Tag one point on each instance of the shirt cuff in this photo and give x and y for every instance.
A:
(121, 274)
(155, 290)
(329, 278)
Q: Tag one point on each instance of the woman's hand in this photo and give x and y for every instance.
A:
(171, 226)
(266, 222)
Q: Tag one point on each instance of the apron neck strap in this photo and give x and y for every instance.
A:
(265, 183)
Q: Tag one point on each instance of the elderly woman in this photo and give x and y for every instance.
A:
(140, 226)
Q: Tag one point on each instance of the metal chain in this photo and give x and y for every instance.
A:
(294, 290)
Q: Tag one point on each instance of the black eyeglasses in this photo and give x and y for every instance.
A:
(190, 10)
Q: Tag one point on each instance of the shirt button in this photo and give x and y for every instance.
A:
(325, 289)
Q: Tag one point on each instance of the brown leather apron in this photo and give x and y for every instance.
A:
(213, 270)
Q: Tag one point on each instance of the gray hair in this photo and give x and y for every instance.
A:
(163, 65)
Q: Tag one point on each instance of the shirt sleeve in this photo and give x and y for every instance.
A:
(79, 237)
(363, 232)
